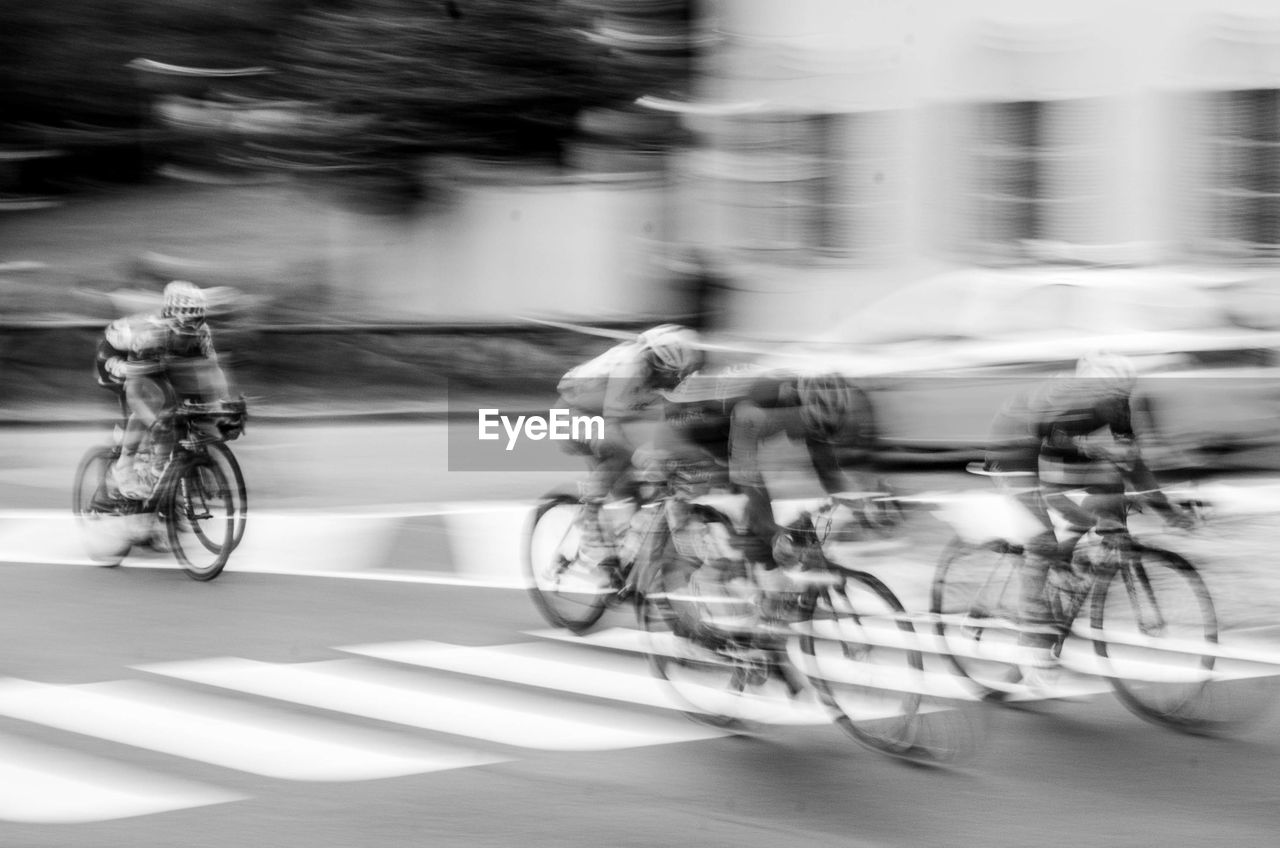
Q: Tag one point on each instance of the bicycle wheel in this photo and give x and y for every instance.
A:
(974, 601)
(567, 593)
(200, 511)
(732, 679)
(222, 454)
(104, 531)
(1156, 630)
(859, 654)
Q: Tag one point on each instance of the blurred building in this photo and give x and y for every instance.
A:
(811, 155)
(842, 146)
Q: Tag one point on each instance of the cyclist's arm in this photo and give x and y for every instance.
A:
(827, 466)
(1133, 466)
(128, 349)
(212, 377)
(631, 409)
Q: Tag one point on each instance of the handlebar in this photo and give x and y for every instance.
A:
(192, 409)
(228, 416)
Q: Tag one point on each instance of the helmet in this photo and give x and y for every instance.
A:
(828, 405)
(671, 352)
(184, 302)
(1108, 372)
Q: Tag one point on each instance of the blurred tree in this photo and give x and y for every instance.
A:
(387, 81)
(64, 79)
(396, 80)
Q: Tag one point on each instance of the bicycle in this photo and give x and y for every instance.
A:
(845, 638)
(198, 501)
(574, 595)
(1152, 621)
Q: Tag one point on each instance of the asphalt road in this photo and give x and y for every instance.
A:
(139, 697)
(1079, 772)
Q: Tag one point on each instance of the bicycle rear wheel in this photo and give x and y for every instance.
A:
(200, 511)
(975, 603)
(1155, 628)
(103, 530)
(730, 681)
(567, 593)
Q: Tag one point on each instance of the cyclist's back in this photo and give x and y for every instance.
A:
(732, 413)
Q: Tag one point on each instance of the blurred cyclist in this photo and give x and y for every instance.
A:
(623, 385)
(153, 361)
(1073, 433)
(732, 414)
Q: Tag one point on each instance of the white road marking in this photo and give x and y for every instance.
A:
(532, 664)
(448, 706)
(614, 638)
(45, 785)
(221, 732)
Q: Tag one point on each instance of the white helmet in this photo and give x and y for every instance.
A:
(1108, 372)
(671, 351)
(184, 302)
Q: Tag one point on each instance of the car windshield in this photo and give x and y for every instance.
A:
(975, 306)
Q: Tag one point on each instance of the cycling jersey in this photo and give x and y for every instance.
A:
(190, 366)
(1065, 414)
(728, 415)
(1046, 431)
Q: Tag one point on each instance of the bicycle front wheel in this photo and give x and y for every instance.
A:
(975, 604)
(567, 593)
(222, 454)
(1155, 628)
(200, 511)
(103, 530)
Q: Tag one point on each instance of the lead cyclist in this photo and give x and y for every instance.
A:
(153, 361)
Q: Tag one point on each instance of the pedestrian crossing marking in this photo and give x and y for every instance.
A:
(47, 785)
(530, 664)
(225, 733)
(460, 708)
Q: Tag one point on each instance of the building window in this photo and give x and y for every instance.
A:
(1028, 173)
(1238, 213)
(806, 186)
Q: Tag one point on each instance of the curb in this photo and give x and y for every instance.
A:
(472, 543)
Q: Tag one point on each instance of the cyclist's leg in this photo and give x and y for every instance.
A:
(607, 466)
(1041, 554)
(750, 425)
(145, 399)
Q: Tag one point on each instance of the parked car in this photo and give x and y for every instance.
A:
(937, 358)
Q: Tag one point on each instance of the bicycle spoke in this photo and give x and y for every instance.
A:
(567, 593)
(201, 516)
(1151, 597)
(975, 599)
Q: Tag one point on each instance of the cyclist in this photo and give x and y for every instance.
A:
(1073, 433)
(732, 414)
(624, 386)
(152, 361)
